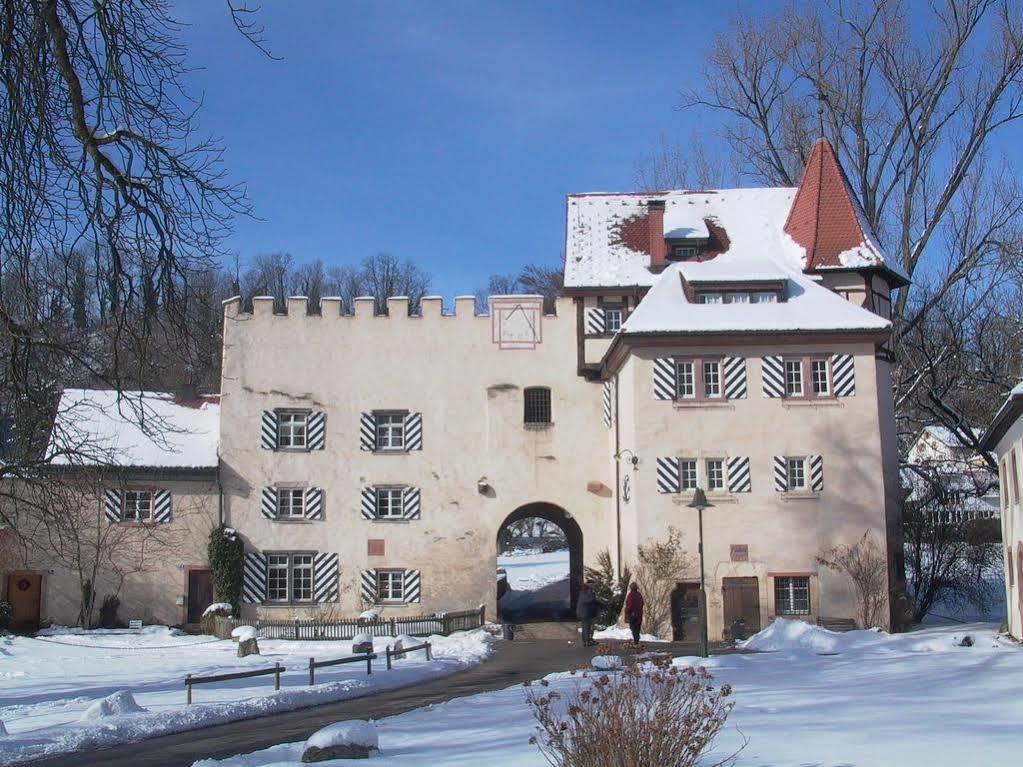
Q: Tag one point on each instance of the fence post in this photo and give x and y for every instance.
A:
(277, 675)
(188, 687)
(483, 615)
(369, 663)
(445, 625)
(428, 656)
(296, 628)
(388, 651)
(394, 628)
(312, 666)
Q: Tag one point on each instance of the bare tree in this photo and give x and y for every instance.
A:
(383, 276)
(534, 279)
(660, 565)
(867, 567)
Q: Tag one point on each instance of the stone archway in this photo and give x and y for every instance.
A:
(573, 536)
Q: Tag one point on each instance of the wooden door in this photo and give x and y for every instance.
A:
(742, 603)
(685, 612)
(25, 592)
(200, 593)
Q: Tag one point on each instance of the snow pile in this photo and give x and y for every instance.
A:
(244, 633)
(3, 729)
(370, 616)
(606, 662)
(623, 633)
(363, 637)
(405, 641)
(218, 607)
(118, 704)
(795, 637)
(355, 733)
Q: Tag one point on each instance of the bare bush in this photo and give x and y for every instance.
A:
(650, 714)
(660, 566)
(865, 564)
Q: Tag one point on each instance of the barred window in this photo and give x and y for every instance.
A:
(537, 405)
(390, 585)
(390, 431)
(289, 577)
(390, 504)
(687, 469)
(138, 506)
(291, 428)
(792, 596)
(711, 378)
(290, 502)
(715, 474)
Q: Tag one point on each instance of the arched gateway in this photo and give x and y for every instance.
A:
(573, 537)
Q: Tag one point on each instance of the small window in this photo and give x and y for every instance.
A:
(390, 431)
(138, 506)
(1003, 485)
(792, 596)
(1015, 476)
(708, 298)
(291, 429)
(820, 376)
(537, 405)
(685, 379)
(796, 470)
(289, 578)
(765, 297)
(1012, 572)
(688, 473)
(612, 320)
(290, 502)
(715, 474)
(736, 298)
(711, 378)
(390, 503)
(683, 252)
(794, 378)
(277, 578)
(390, 585)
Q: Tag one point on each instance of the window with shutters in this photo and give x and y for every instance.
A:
(537, 406)
(820, 378)
(685, 379)
(390, 502)
(715, 468)
(687, 474)
(793, 378)
(612, 320)
(137, 506)
(290, 502)
(390, 430)
(289, 578)
(796, 473)
(698, 379)
(792, 595)
(808, 377)
(291, 429)
(711, 378)
(390, 585)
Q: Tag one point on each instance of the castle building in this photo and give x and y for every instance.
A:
(728, 340)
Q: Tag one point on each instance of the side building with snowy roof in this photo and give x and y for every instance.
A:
(733, 341)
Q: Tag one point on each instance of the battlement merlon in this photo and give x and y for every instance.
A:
(364, 308)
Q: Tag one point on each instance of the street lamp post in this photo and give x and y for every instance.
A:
(700, 503)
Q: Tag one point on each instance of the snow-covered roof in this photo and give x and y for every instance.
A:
(1006, 416)
(946, 436)
(134, 429)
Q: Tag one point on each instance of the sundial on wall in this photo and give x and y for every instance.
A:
(516, 323)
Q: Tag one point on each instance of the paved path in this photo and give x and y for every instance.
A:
(512, 663)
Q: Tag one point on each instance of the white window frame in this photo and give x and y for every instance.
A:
(684, 252)
(738, 297)
(791, 366)
(390, 431)
(685, 379)
(286, 573)
(714, 471)
(390, 585)
(791, 592)
(613, 320)
(390, 502)
(816, 364)
(765, 297)
(796, 471)
(135, 501)
(292, 429)
(291, 503)
(688, 474)
(711, 370)
(708, 298)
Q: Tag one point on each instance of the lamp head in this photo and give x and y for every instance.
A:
(700, 500)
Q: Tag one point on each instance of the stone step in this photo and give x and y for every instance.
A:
(564, 630)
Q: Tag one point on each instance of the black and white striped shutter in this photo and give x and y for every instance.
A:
(316, 430)
(268, 503)
(772, 370)
(314, 503)
(664, 378)
(608, 400)
(325, 573)
(268, 430)
(669, 478)
(816, 472)
(369, 503)
(161, 506)
(112, 505)
(781, 474)
(843, 375)
(412, 589)
(414, 431)
(595, 321)
(367, 432)
(735, 377)
(368, 586)
(254, 578)
(738, 475)
(410, 503)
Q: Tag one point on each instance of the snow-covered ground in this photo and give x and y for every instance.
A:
(818, 698)
(538, 583)
(47, 684)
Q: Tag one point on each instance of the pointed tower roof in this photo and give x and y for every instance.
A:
(827, 220)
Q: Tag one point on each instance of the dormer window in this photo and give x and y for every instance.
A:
(708, 298)
(765, 297)
(738, 297)
(683, 252)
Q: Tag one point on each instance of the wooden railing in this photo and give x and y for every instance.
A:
(367, 657)
(192, 680)
(347, 628)
(405, 650)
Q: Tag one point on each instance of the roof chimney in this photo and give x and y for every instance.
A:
(655, 228)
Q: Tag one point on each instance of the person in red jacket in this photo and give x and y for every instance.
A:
(634, 611)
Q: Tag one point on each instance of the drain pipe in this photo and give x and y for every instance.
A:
(618, 486)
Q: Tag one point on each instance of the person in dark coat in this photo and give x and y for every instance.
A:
(586, 609)
(634, 610)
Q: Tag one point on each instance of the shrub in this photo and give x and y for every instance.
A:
(660, 566)
(6, 615)
(226, 554)
(108, 611)
(650, 714)
(608, 588)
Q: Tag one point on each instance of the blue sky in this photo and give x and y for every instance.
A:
(448, 133)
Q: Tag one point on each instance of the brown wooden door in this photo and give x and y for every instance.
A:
(24, 592)
(742, 602)
(200, 593)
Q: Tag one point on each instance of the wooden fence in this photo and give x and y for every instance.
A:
(405, 651)
(193, 680)
(347, 628)
(363, 657)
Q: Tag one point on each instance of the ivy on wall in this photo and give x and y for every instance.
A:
(226, 552)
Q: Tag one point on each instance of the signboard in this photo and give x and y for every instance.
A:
(739, 552)
(135, 624)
